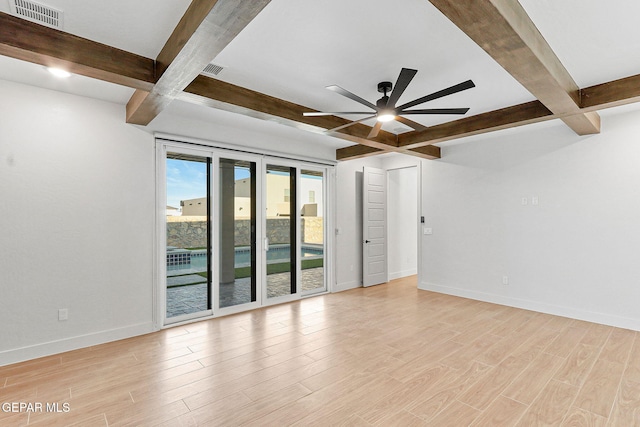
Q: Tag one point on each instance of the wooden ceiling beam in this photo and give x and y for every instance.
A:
(611, 94)
(418, 143)
(38, 44)
(504, 30)
(504, 118)
(206, 28)
(226, 96)
(357, 152)
(31, 42)
(430, 152)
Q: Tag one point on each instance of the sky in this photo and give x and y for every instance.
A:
(188, 180)
(185, 180)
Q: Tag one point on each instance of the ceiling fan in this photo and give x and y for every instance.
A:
(385, 108)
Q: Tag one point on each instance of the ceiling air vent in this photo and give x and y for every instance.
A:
(212, 70)
(37, 12)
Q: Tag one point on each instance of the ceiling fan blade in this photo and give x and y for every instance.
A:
(405, 77)
(374, 130)
(439, 94)
(349, 124)
(323, 113)
(437, 111)
(352, 96)
(415, 125)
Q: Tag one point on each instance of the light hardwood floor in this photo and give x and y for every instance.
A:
(386, 355)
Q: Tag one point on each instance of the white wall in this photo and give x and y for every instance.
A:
(349, 221)
(77, 206)
(574, 254)
(349, 218)
(190, 120)
(402, 222)
(76, 220)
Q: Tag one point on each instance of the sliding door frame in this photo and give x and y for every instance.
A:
(216, 151)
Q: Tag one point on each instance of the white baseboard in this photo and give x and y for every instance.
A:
(542, 307)
(339, 287)
(403, 273)
(8, 357)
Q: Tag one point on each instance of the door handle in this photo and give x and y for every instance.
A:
(266, 244)
(367, 241)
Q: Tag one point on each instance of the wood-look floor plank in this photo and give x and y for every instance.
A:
(431, 401)
(535, 344)
(415, 368)
(568, 339)
(15, 419)
(402, 419)
(261, 389)
(618, 346)
(599, 389)
(632, 371)
(387, 355)
(551, 405)
(481, 394)
(626, 410)
(533, 378)
(502, 412)
(501, 349)
(250, 377)
(577, 417)
(455, 415)
(378, 410)
(596, 335)
(255, 410)
(465, 354)
(577, 366)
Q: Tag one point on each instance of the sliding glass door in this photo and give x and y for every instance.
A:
(312, 231)
(240, 231)
(188, 234)
(280, 226)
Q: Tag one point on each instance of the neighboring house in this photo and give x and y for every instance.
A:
(171, 211)
(278, 198)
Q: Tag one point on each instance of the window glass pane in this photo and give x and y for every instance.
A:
(237, 232)
(312, 231)
(188, 234)
(281, 272)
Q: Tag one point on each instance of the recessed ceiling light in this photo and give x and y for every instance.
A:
(59, 72)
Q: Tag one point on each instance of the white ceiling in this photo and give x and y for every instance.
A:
(294, 48)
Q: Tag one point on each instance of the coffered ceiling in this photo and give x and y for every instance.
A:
(531, 61)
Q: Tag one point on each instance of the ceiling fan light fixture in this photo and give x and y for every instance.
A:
(385, 116)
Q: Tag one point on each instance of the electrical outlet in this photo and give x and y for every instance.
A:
(427, 230)
(524, 201)
(505, 280)
(63, 314)
(534, 200)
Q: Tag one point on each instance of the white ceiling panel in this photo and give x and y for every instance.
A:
(37, 75)
(139, 26)
(597, 41)
(295, 48)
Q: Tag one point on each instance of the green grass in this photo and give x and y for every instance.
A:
(281, 267)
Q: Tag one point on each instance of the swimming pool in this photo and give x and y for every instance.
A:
(179, 259)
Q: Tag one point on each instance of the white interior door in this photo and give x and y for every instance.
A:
(374, 223)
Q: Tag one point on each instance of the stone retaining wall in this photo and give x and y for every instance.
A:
(191, 231)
